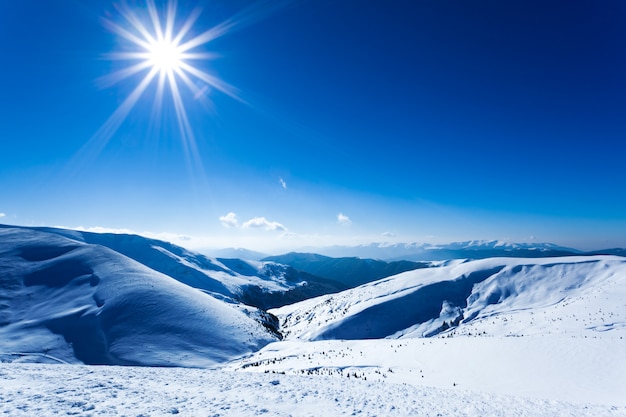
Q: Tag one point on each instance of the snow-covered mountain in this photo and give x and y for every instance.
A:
(350, 272)
(260, 284)
(473, 249)
(499, 296)
(235, 253)
(68, 300)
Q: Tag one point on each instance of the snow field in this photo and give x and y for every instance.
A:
(48, 390)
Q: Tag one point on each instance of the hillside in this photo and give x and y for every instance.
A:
(260, 284)
(70, 301)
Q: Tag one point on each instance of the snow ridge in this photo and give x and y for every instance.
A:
(425, 302)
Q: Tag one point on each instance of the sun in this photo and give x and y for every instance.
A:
(165, 55)
(161, 53)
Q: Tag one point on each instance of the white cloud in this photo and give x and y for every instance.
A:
(343, 219)
(2, 215)
(389, 234)
(259, 222)
(229, 220)
(282, 183)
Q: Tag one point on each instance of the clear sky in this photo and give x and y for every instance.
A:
(319, 122)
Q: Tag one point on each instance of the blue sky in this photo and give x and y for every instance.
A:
(345, 122)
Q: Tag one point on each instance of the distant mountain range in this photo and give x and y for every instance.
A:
(424, 252)
(236, 253)
(350, 272)
(473, 249)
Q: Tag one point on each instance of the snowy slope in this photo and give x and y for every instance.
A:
(262, 284)
(70, 301)
(500, 296)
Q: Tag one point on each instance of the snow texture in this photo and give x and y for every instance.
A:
(47, 390)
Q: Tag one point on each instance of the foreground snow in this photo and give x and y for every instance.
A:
(45, 390)
(591, 370)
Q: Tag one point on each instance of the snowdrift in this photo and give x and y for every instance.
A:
(66, 300)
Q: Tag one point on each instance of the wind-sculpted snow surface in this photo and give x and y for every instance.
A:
(532, 296)
(67, 301)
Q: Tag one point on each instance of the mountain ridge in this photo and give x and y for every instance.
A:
(428, 252)
(426, 302)
(349, 271)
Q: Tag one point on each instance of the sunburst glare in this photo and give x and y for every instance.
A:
(161, 52)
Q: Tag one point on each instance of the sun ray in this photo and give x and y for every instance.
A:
(187, 25)
(114, 27)
(158, 99)
(215, 82)
(205, 37)
(116, 77)
(120, 114)
(188, 82)
(170, 16)
(198, 56)
(100, 139)
(186, 132)
(198, 92)
(156, 21)
(136, 24)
